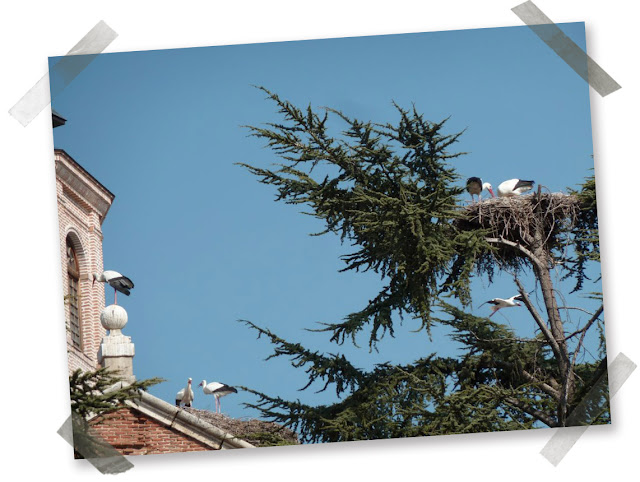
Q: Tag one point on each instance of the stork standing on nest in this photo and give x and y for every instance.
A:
(476, 186)
(499, 303)
(514, 187)
(185, 395)
(116, 281)
(218, 390)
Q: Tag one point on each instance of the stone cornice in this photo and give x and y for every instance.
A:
(76, 179)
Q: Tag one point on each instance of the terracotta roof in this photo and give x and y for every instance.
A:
(181, 420)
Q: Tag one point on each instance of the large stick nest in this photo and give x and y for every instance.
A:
(532, 221)
(257, 432)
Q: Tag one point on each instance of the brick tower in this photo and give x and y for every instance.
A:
(83, 204)
(146, 425)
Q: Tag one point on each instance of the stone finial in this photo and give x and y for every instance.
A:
(114, 317)
(116, 350)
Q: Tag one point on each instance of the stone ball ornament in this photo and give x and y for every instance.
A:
(113, 317)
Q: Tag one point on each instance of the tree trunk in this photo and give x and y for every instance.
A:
(565, 367)
(543, 274)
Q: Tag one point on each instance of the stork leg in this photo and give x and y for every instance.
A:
(115, 296)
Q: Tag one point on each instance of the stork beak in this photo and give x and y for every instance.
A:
(491, 191)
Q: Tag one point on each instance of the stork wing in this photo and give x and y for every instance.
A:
(474, 183)
(126, 282)
(522, 183)
(224, 390)
(121, 284)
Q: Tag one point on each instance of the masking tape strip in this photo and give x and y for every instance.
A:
(566, 48)
(65, 70)
(77, 432)
(565, 438)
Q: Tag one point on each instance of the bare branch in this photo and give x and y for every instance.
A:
(515, 338)
(537, 414)
(571, 366)
(574, 308)
(517, 246)
(595, 316)
(536, 316)
(582, 330)
(545, 387)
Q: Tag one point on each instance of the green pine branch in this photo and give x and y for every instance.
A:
(92, 393)
(389, 191)
(392, 193)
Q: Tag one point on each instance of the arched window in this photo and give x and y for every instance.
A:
(73, 295)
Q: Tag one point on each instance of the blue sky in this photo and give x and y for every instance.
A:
(204, 242)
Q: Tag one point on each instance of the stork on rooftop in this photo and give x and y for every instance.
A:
(514, 187)
(116, 281)
(476, 186)
(218, 390)
(185, 395)
(499, 303)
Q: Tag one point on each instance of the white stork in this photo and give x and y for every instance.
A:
(218, 390)
(116, 281)
(476, 186)
(514, 187)
(185, 395)
(499, 303)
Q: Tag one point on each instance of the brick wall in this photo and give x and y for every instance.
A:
(80, 221)
(133, 433)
